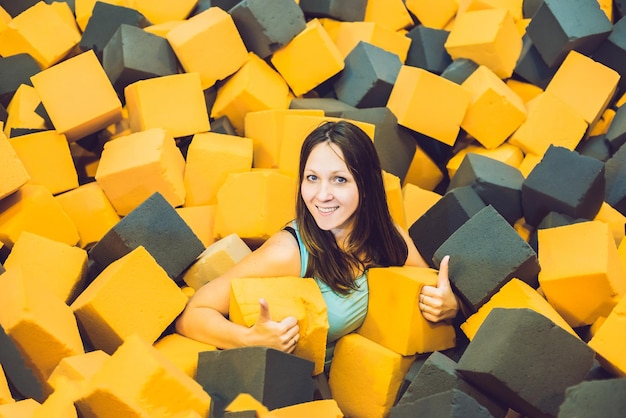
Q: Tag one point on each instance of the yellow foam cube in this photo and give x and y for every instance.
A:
(614, 218)
(296, 127)
(365, 376)
(77, 370)
(134, 167)
(33, 208)
(201, 220)
(609, 340)
(584, 84)
(495, 111)
(423, 172)
(255, 86)
(621, 250)
(255, 205)
(309, 59)
(216, 260)
(529, 162)
(526, 91)
(78, 96)
(140, 381)
(162, 11)
(211, 156)
(322, 408)
(428, 103)
(265, 128)
(47, 43)
(40, 324)
(506, 153)
(513, 6)
(13, 173)
(393, 317)
(162, 29)
(246, 402)
(393, 191)
(209, 44)
(351, 33)
(488, 37)
(391, 14)
(285, 296)
(433, 15)
(182, 351)
(21, 110)
(549, 121)
(47, 158)
(581, 274)
(133, 295)
(59, 267)
(90, 210)
(514, 294)
(417, 201)
(601, 126)
(173, 102)
(60, 403)
(5, 393)
(23, 408)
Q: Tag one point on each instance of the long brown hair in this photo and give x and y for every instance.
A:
(374, 240)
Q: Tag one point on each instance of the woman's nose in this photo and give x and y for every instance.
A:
(324, 191)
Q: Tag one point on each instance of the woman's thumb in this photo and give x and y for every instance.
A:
(264, 313)
(442, 278)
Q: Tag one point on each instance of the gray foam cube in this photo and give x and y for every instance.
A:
(274, 378)
(368, 76)
(459, 70)
(156, 226)
(438, 374)
(105, 19)
(525, 360)
(615, 175)
(453, 403)
(595, 399)
(442, 219)
(565, 182)
(558, 27)
(132, 54)
(267, 25)
(343, 10)
(497, 183)
(485, 253)
(395, 146)
(427, 49)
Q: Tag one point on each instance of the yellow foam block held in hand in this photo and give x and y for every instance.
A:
(285, 296)
(393, 317)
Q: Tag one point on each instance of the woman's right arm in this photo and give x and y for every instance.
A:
(205, 316)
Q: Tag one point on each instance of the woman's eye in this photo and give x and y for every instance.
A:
(340, 179)
(311, 177)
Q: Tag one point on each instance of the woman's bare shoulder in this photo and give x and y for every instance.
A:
(279, 255)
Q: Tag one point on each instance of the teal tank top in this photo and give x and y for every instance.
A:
(345, 312)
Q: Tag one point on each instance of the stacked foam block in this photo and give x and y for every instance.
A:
(147, 146)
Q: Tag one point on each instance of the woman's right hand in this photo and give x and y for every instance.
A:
(283, 335)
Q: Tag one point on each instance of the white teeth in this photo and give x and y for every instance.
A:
(327, 210)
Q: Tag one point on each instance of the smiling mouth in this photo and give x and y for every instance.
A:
(327, 210)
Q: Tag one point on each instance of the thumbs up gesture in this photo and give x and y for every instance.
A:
(439, 303)
(283, 335)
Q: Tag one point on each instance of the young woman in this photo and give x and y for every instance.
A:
(342, 228)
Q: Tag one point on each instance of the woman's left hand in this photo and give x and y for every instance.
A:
(439, 303)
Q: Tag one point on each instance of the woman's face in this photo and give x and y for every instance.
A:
(329, 190)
